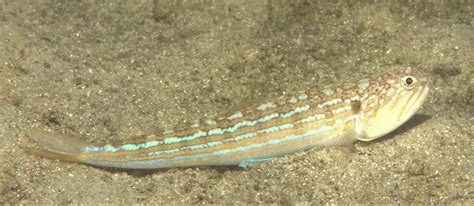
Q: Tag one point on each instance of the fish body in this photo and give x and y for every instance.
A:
(321, 116)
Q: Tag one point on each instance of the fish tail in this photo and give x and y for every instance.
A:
(56, 146)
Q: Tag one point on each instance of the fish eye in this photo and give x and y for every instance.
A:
(408, 82)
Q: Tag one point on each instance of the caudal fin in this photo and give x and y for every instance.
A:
(56, 146)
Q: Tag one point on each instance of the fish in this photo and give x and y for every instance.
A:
(259, 131)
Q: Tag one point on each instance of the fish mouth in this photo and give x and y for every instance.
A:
(414, 103)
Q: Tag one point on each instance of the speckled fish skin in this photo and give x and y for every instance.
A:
(322, 116)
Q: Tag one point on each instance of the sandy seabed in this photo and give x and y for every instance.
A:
(105, 70)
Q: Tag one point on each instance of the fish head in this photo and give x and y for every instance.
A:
(391, 100)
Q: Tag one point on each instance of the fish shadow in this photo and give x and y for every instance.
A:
(416, 120)
(147, 172)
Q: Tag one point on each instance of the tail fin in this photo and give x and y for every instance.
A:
(56, 146)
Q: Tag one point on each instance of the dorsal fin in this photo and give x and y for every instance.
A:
(252, 104)
(129, 140)
(135, 139)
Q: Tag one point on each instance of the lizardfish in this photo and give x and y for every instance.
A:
(321, 116)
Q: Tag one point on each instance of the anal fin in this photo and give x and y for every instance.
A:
(250, 162)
